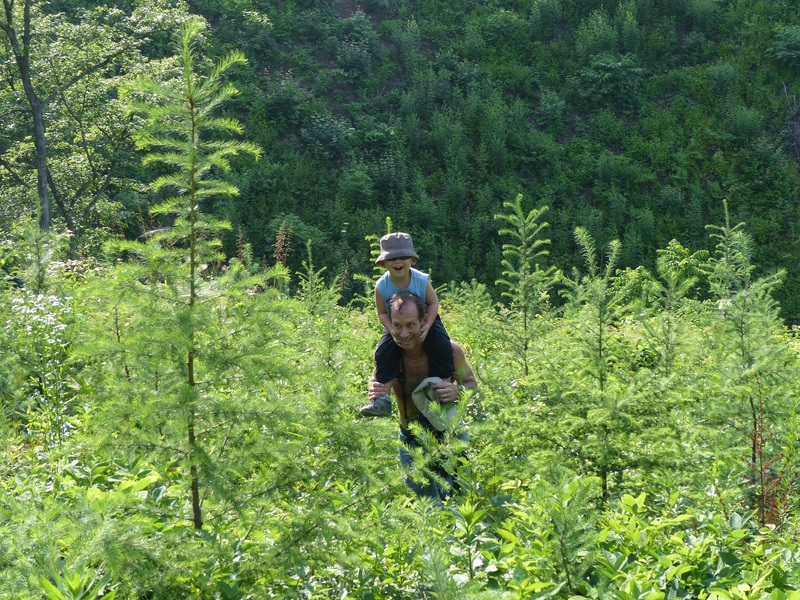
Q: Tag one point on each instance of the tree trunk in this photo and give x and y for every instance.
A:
(194, 474)
(39, 142)
(22, 56)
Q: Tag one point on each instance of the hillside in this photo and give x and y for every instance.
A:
(632, 119)
(180, 413)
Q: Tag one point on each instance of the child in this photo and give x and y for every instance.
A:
(398, 257)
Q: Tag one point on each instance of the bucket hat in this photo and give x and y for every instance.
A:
(427, 402)
(394, 245)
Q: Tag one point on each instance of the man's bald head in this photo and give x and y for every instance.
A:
(406, 301)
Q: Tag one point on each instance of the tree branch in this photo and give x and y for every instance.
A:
(76, 78)
(59, 202)
(7, 166)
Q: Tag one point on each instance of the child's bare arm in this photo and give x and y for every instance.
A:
(380, 308)
(432, 300)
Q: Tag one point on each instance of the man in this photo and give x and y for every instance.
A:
(399, 258)
(408, 316)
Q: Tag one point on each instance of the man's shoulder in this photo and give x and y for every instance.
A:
(458, 351)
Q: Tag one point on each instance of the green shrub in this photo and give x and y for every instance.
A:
(355, 43)
(703, 15)
(724, 78)
(505, 29)
(327, 136)
(685, 552)
(610, 80)
(551, 111)
(546, 18)
(745, 123)
(595, 36)
(630, 34)
(283, 100)
(785, 50)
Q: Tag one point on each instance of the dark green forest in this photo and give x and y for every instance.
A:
(634, 120)
(605, 195)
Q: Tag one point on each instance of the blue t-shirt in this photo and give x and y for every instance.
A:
(418, 286)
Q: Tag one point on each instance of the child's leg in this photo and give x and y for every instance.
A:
(387, 359)
(440, 352)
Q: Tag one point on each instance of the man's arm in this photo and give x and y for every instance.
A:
(450, 391)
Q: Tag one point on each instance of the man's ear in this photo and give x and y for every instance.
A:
(414, 260)
(424, 320)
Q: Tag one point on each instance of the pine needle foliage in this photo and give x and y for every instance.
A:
(595, 297)
(523, 277)
(191, 364)
(754, 373)
(605, 410)
(180, 125)
(666, 336)
(38, 250)
(195, 369)
(527, 283)
(568, 505)
(640, 388)
(473, 314)
(667, 303)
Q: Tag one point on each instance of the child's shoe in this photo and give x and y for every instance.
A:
(379, 407)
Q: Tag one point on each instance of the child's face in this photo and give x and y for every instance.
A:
(398, 267)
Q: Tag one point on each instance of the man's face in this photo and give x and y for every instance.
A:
(407, 325)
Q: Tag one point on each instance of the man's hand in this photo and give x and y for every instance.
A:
(448, 391)
(376, 388)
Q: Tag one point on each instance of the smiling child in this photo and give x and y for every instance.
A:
(398, 258)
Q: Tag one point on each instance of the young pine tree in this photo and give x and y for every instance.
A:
(593, 400)
(194, 377)
(669, 324)
(527, 284)
(175, 362)
(607, 417)
(757, 373)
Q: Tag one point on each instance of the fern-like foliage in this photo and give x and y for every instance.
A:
(523, 277)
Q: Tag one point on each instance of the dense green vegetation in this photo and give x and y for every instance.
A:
(632, 119)
(170, 434)
(608, 187)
